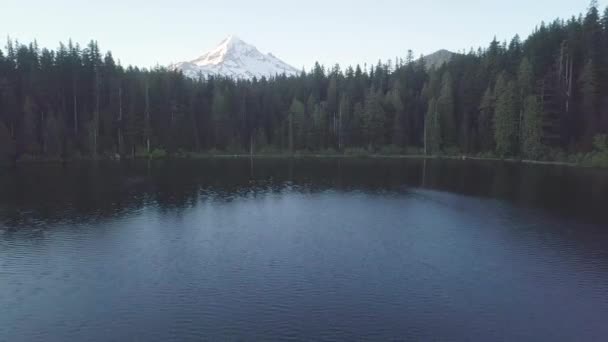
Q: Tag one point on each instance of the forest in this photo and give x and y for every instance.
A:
(540, 98)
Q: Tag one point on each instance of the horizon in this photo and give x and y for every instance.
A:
(300, 48)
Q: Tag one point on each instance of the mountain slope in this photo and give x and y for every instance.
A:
(438, 58)
(235, 58)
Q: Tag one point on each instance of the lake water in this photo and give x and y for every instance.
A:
(303, 250)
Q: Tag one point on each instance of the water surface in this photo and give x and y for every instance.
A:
(303, 250)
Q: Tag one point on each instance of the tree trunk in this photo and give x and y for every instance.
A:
(96, 119)
(340, 129)
(425, 138)
(120, 137)
(75, 112)
(251, 145)
(291, 132)
(147, 124)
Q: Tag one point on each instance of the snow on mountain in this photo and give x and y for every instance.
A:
(236, 59)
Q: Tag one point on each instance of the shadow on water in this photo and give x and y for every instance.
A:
(319, 249)
(90, 191)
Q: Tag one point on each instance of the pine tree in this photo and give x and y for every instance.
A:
(592, 33)
(400, 122)
(296, 115)
(589, 90)
(374, 120)
(332, 106)
(505, 117)
(28, 139)
(357, 131)
(525, 80)
(532, 129)
(71, 102)
(218, 114)
(7, 145)
(53, 133)
(445, 109)
(344, 122)
(432, 129)
(147, 118)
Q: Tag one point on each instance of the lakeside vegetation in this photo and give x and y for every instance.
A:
(544, 98)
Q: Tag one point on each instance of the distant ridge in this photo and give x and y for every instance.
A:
(438, 58)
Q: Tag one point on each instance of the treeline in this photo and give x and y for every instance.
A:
(538, 98)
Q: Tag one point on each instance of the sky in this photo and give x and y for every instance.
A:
(147, 33)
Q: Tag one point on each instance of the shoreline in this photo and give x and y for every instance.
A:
(385, 156)
(299, 156)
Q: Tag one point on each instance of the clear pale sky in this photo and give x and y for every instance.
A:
(145, 33)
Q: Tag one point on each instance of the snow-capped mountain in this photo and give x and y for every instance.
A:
(236, 59)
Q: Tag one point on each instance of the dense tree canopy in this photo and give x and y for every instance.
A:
(525, 98)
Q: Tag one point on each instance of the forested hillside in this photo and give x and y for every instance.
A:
(545, 97)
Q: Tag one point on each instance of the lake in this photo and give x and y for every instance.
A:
(319, 249)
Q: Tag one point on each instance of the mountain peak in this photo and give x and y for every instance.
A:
(438, 58)
(230, 42)
(237, 59)
(233, 38)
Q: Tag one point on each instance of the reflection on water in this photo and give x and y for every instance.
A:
(303, 249)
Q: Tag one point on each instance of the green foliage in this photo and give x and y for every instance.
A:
(452, 151)
(28, 142)
(269, 150)
(296, 122)
(356, 151)
(590, 98)
(75, 102)
(158, 153)
(7, 145)
(505, 117)
(52, 136)
(525, 78)
(599, 158)
(487, 155)
(532, 129)
(373, 123)
(389, 150)
(328, 152)
(445, 111)
(401, 123)
(600, 142)
(432, 129)
(485, 125)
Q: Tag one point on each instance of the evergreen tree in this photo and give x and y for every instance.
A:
(589, 91)
(445, 109)
(28, 140)
(7, 145)
(532, 129)
(344, 122)
(53, 133)
(332, 106)
(296, 116)
(374, 120)
(432, 129)
(525, 80)
(400, 123)
(485, 125)
(505, 117)
(592, 33)
(72, 102)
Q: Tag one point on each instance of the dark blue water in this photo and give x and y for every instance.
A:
(303, 250)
